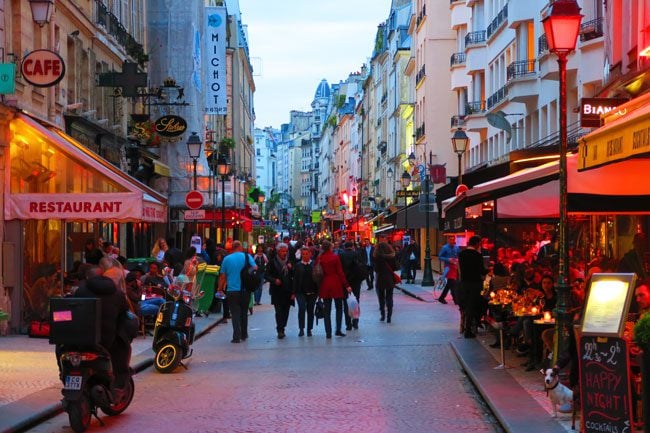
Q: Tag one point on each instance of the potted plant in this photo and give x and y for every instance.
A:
(642, 338)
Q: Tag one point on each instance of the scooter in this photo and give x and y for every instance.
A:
(174, 329)
(88, 384)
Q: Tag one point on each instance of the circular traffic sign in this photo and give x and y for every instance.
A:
(194, 199)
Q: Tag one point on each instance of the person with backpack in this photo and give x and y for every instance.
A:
(355, 272)
(236, 295)
(279, 274)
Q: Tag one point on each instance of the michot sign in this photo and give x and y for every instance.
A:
(42, 68)
(171, 126)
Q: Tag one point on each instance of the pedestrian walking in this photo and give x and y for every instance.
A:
(355, 272)
(262, 261)
(305, 290)
(236, 296)
(279, 274)
(385, 265)
(449, 256)
(366, 254)
(332, 287)
(410, 259)
(472, 271)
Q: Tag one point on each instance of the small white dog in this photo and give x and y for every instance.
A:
(558, 393)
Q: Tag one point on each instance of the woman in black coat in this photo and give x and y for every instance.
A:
(385, 264)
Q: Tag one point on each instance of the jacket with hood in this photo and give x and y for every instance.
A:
(113, 304)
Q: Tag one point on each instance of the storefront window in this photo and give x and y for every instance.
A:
(42, 266)
(40, 165)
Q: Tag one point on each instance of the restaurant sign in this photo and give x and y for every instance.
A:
(591, 110)
(628, 140)
(171, 126)
(42, 68)
(75, 207)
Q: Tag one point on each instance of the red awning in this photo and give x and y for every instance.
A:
(234, 218)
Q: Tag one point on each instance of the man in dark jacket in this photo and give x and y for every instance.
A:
(472, 271)
(365, 252)
(113, 304)
(355, 272)
(173, 257)
(279, 274)
(306, 291)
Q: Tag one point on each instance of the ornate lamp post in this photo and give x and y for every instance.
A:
(405, 180)
(427, 275)
(223, 167)
(561, 27)
(194, 149)
(41, 11)
(459, 141)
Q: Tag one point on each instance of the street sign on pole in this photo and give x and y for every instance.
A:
(194, 200)
(194, 214)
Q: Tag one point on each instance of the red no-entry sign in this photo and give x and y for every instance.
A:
(194, 199)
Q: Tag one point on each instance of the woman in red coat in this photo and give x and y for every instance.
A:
(333, 286)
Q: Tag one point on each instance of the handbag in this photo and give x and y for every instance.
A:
(319, 310)
(39, 329)
(128, 325)
(396, 278)
(250, 278)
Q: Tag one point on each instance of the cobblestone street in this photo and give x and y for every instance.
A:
(399, 377)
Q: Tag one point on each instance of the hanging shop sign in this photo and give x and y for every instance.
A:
(592, 108)
(171, 126)
(42, 68)
(215, 39)
(7, 78)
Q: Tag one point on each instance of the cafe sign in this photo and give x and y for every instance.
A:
(170, 126)
(42, 68)
(591, 110)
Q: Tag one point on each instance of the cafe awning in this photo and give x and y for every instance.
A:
(52, 176)
(414, 218)
(534, 192)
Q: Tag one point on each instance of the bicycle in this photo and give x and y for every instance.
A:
(439, 286)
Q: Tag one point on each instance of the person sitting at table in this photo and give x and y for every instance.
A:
(642, 296)
(154, 278)
(147, 307)
(550, 297)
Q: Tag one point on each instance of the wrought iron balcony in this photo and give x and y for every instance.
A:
(498, 21)
(591, 29)
(475, 107)
(542, 45)
(457, 59)
(497, 97)
(419, 132)
(115, 28)
(520, 68)
(457, 121)
(421, 16)
(420, 75)
(475, 38)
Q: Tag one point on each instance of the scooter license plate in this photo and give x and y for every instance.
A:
(73, 382)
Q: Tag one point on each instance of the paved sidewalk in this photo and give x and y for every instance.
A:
(30, 390)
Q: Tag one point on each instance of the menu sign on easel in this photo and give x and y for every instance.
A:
(607, 304)
(606, 398)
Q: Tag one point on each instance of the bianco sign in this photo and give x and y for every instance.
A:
(42, 68)
(215, 39)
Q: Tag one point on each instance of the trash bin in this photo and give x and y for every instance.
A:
(139, 262)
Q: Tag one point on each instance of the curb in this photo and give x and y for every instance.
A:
(54, 409)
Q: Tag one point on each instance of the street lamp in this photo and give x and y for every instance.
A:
(223, 167)
(427, 275)
(260, 198)
(460, 140)
(194, 149)
(561, 27)
(41, 11)
(405, 180)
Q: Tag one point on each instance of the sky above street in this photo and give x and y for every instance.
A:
(294, 44)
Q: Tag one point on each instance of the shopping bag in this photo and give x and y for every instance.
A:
(353, 307)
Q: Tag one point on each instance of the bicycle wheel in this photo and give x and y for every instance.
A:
(439, 286)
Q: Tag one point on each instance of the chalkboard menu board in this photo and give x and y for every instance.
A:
(605, 392)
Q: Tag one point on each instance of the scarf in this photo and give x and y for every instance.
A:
(283, 263)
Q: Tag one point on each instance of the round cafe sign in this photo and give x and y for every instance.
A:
(171, 126)
(42, 68)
